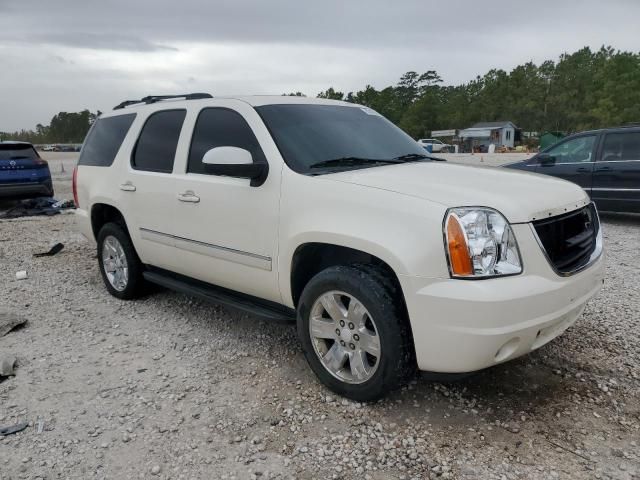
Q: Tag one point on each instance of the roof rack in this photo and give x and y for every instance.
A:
(158, 98)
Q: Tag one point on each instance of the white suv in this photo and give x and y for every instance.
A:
(325, 212)
(437, 146)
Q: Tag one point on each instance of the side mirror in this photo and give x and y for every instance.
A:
(546, 160)
(235, 162)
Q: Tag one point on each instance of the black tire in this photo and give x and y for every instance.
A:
(135, 283)
(384, 302)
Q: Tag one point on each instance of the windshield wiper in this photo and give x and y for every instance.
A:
(417, 156)
(347, 161)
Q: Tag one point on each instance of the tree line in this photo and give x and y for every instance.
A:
(64, 128)
(582, 90)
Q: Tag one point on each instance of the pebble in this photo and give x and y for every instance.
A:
(208, 392)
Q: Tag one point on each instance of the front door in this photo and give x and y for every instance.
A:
(572, 160)
(616, 176)
(225, 230)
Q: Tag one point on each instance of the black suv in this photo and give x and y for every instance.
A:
(606, 163)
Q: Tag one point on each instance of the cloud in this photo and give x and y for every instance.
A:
(75, 54)
(98, 41)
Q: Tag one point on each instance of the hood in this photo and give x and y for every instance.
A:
(520, 196)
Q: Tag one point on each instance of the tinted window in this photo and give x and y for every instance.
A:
(576, 150)
(621, 146)
(220, 127)
(158, 141)
(104, 140)
(308, 134)
(10, 151)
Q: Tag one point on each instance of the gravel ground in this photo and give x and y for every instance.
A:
(170, 387)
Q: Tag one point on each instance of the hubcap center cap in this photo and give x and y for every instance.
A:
(345, 334)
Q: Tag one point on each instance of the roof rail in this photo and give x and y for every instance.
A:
(158, 98)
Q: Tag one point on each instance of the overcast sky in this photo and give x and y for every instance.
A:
(67, 55)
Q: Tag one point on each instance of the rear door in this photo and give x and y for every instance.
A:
(572, 160)
(616, 176)
(147, 185)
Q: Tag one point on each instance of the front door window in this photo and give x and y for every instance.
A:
(577, 150)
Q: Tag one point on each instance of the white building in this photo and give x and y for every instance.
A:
(501, 134)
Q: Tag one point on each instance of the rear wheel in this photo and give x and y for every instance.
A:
(120, 266)
(354, 332)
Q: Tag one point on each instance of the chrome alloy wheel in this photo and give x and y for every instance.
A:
(115, 264)
(344, 337)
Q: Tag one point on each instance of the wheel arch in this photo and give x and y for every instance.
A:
(310, 258)
(102, 213)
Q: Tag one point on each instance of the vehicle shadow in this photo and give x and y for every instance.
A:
(533, 383)
(6, 205)
(526, 386)
(623, 219)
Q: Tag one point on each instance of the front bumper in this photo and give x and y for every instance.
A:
(467, 325)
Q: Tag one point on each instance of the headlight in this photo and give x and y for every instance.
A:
(480, 243)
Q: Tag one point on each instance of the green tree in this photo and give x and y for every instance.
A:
(331, 94)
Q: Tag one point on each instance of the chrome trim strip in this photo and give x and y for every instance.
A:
(590, 162)
(600, 189)
(209, 249)
(597, 252)
(616, 161)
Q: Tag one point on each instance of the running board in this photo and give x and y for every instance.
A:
(214, 294)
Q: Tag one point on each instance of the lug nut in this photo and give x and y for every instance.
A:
(356, 337)
(351, 326)
(352, 346)
(338, 331)
(342, 323)
(342, 343)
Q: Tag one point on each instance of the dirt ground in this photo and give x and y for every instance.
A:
(171, 387)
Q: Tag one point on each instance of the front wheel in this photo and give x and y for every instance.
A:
(354, 332)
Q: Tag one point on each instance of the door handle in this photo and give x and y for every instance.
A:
(582, 170)
(189, 197)
(128, 187)
(603, 169)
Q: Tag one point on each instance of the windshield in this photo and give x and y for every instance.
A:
(309, 135)
(12, 151)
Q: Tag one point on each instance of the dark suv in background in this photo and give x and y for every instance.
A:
(23, 174)
(606, 163)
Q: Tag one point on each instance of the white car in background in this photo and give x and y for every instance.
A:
(437, 146)
(326, 213)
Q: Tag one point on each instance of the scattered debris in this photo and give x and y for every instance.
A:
(37, 206)
(7, 365)
(9, 321)
(64, 204)
(52, 251)
(21, 275)
(39, 425)
(18, 427)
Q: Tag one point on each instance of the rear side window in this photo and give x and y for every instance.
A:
(221, 127)
(621, 146)
(9, 151)
(155, 150)
(104, 140)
